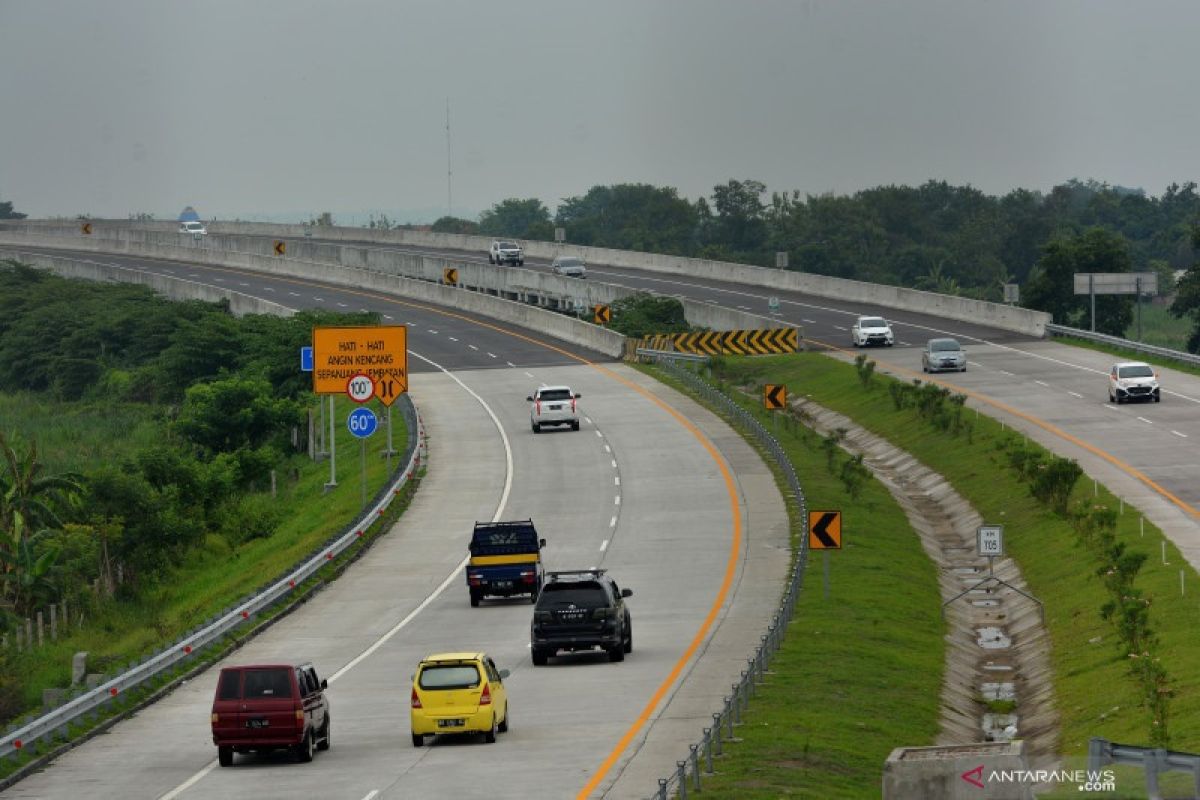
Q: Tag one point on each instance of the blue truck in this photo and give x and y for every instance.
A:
(506, 560)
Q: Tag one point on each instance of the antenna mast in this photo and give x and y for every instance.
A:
(449, 194)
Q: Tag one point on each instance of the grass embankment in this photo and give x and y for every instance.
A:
(860, 670)
(1095, 693)
(211, 578)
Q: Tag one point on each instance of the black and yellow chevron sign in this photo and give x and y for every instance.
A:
(774, 396)
(825, 530)
(280, 247)
(450, 276)
(602, 314)
(86, 228)
(736, 343)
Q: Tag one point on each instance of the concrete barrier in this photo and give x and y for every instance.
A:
(525, 315)
(174, 288)
(525, 286)
(998, 315)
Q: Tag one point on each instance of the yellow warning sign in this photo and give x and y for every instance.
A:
(339, 353)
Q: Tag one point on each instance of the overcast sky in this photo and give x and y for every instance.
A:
(242, 107)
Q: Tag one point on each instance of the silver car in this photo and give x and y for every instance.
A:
(940, 355)
(569, 266)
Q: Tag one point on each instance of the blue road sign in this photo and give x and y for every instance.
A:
(306, 359)
(362, 422)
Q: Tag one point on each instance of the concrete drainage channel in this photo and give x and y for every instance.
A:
(997, 685)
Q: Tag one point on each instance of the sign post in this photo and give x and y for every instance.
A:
(1135, 283)
(989, 542)
(362, 422)
(825, 533)
(332, 450)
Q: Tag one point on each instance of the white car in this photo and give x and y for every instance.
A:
(1133, 380)
(504, 251)
(872, 330)
(553, 405)
(569, 266)
(194, 228)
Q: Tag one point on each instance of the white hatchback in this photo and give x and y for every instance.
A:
(1133, 380)
(553, 405)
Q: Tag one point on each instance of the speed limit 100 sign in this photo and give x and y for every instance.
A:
(360, 388)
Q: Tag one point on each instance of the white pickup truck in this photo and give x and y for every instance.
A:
(504, 251)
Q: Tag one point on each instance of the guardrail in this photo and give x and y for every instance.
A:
(699, 761)
(1116, 341)
(1154, 760)
(53, 724)
(670, 355)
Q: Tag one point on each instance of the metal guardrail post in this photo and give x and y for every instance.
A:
(681, 775)
(708, 750)
(696, 766)
(717, 730)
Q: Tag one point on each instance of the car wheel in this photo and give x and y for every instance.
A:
(628, 638)
(575, 425)
(539, 657)
(617, 653)
(304, 750)
(503, 727)
(964, 368)
(521, 263)
(924, 368)
(475, 598)
(490, 736)
(418, 740)
(326, 735)
(225, 756)
(536, 427)
(1157, 398)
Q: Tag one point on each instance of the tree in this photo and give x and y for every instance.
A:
(1187, 301)
(1052, 287)
(520, 219)
(630, 216)
(30, 502)
(644, 314)
(740, 221)
(455, 225)
(226, 415)
(6, 211)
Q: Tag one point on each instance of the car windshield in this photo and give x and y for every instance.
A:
(570, 262)
(944, 346)
(872, 322)
(584, 595)
(449, 676)
(1137, 371)
(507, 246)
(554, 394)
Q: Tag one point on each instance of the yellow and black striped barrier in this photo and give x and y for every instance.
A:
(757, 342)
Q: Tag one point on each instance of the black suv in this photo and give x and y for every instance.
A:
(580, 610)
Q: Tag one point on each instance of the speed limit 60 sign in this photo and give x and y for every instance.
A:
(360, 388)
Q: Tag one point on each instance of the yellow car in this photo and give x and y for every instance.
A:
(456, 693)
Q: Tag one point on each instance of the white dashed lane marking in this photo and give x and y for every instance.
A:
(1180, 435)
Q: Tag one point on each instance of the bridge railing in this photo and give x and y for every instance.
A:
(698, 761)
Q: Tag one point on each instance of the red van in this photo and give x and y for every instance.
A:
(263, 707)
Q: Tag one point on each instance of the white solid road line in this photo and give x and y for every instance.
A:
(1180, 435)
(454, 575)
